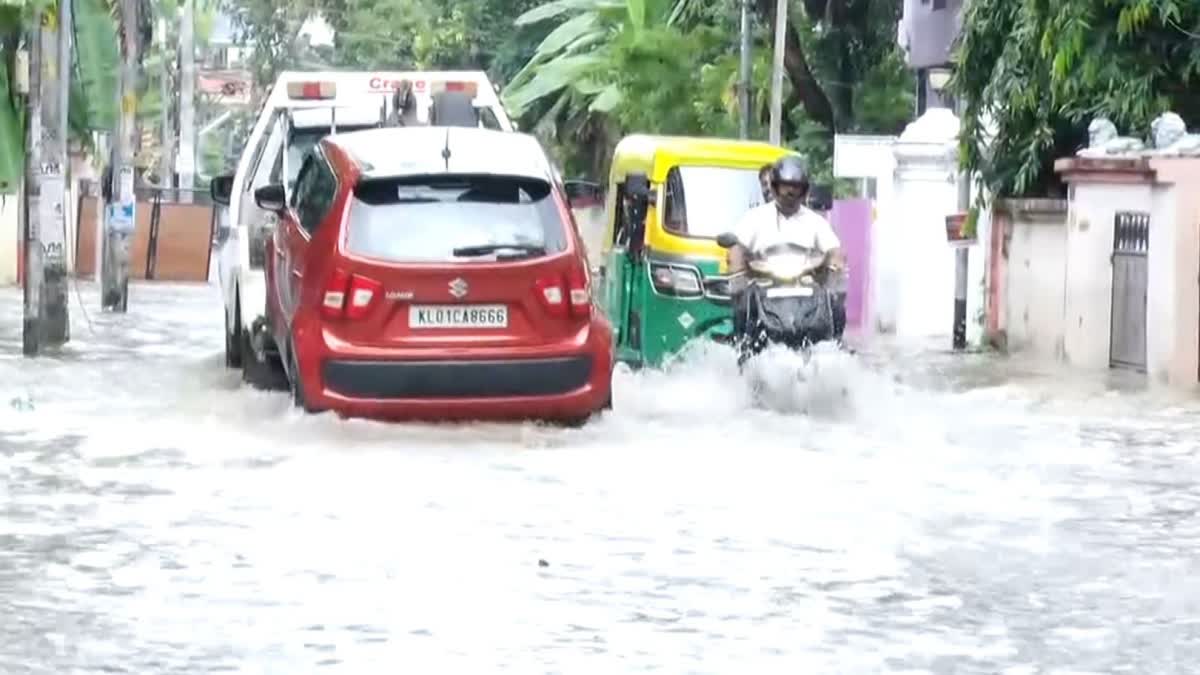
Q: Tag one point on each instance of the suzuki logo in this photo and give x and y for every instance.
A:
(458, 288)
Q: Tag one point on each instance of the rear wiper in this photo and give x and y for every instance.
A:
(488, 249)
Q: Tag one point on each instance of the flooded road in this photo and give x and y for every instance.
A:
(954, 515)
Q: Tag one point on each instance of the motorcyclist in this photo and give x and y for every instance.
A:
(784, 220)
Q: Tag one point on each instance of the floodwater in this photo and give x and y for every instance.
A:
(932, 513)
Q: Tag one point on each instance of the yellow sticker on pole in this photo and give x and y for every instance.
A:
(129, 104)
(50, 18)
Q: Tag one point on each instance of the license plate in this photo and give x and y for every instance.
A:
(458, 316)
(790, 292)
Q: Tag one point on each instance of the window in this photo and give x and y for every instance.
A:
(300, 141)
(316, 187)
(704, 201)
(428, 218)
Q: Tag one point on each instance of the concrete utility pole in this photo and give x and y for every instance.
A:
(166, 164)
(781, 23)
(45, 314)
(187, 101)
(746, 73)
(31, 335)
(114, 286)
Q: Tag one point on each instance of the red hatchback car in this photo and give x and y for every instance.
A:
(434, 273)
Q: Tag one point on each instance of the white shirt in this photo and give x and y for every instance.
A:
(764, 226)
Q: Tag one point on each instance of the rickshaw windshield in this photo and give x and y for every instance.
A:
(704, 201)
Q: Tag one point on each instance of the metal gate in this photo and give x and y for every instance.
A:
(1127, 336)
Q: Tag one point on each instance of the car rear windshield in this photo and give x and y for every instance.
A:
(454, 218)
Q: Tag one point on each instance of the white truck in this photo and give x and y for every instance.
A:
(302, 108)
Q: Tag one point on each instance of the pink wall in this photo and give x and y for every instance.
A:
(852, 219)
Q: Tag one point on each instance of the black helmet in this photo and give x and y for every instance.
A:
(790, 169)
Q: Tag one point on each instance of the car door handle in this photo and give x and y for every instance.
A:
(298, 274)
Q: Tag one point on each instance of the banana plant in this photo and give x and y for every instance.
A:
(96, 62)
(575, 61)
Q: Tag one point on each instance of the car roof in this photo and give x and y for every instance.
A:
(395, 152)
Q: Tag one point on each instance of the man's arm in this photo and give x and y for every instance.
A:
(738, 254)
(828, 242)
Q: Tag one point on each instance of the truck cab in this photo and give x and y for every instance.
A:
(300, 109)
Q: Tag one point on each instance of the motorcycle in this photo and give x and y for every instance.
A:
(788, 300)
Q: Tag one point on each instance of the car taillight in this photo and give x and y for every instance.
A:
(566, 295)
(349, 296)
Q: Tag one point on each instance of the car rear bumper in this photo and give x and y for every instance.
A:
(386, 380)
(566, 384)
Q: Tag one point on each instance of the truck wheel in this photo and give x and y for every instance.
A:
(233, 351)
(454, 109)
(260, 373)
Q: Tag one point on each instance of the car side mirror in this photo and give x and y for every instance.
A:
(270, 197)
(221, 188)
(820, 198)
(727, 240)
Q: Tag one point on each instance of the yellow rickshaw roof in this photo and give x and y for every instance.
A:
(655, 155)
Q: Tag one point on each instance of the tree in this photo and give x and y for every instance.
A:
(1041, 71)
(630, 64)
(92, 104)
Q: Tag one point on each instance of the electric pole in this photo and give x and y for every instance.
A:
(187, 103)
(31, 334)
(781, 23)
(45, 284)
(746, 73)
(166, 165)
(56, 171)
(114, 286)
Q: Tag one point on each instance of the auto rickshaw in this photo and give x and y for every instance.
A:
(663, 277)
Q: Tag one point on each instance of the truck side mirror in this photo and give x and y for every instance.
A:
(221, 188)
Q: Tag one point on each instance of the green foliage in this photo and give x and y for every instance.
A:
(98, 63)
(1043, 70)
(619, 66)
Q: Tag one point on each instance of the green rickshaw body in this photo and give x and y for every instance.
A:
(665, 284)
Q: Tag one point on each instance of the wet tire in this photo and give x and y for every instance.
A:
(259, 373)
(295, 384)
(233, 351)
(454, 109)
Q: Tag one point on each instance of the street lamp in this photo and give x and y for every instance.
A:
(938, 79)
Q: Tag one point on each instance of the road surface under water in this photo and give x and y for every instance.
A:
(951, 515)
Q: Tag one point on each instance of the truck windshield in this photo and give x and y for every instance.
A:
(704, 201)
(455, 218)
(300, 141)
